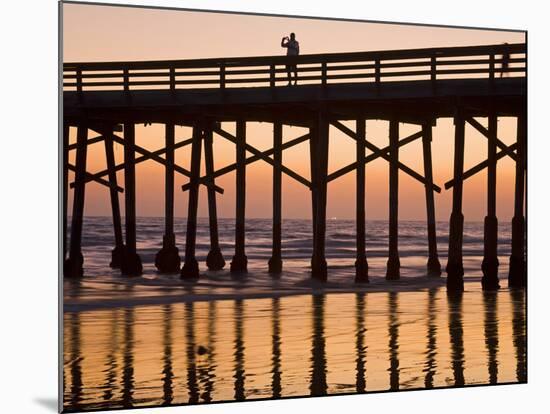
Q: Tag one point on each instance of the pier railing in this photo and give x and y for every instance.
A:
(431, 64)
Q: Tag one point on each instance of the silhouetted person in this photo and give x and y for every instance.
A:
(292, 49)
(505, 62)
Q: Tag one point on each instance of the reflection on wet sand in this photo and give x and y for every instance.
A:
(318, 359)
(456, 331)
(361, 348)
(249, 349)
(431, 351)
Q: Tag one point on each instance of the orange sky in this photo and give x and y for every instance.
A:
(99, 33)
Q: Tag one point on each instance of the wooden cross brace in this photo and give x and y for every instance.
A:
(90, 177)
(505, 151)
(350, 167)
(138, 160)
(479, 167)
(154, 156)
(227, 169)
(90, 141)
(493, 138)
(381, 153)
(263, 157)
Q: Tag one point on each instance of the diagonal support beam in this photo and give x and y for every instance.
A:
(479, 167)
(227, 169)
(485, 132)
(98, 180)
(161, 160)
(348, 168)
(119, 167)
(382, 154)
(266, 158)
(90, 141)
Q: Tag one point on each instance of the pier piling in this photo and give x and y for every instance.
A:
(118, 251)
(455, 269)
(318, 261)
(190, 269)
(240, 262)
(394, 264)
(361, 265)
(433, 266)
(214, 259)
(65, 179)
(131, 262)
(489, 265)
(73, 266)
(517, 276)
(167, 260)
(275, 262)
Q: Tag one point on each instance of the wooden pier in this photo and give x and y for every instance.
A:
(415, 87)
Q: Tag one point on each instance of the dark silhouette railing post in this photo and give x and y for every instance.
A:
(455, 269)
(118, 251)
(318, 261)
(190, 268)
(214, 259)
(489, 265)
(73, 266)
(168, 259)
(517, 276)
(434, 267)
(131, 263)
(240, 262)
(394, 264)
(65, 178)
(276, 262)
(361, 265)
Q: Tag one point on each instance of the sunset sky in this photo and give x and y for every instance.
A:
(106, 33)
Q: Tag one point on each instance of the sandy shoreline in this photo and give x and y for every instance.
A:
(141, 296)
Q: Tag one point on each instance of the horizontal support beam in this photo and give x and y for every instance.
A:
(382, 154)
(265, 158)
(98, 180)
(485, 132)
(350, 167)
(227, 169)
(479, 167)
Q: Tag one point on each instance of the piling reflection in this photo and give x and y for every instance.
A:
(190, 351)
(519, 333)
(111, 358)
(361, 348)
(456, 332)
(393, 334)
(75, 360)
(276, 348)
(128, 359)
(202, 358)
(207, 366)
(239, 352)
(318, 358)
(167, 371)
(491, 334)
(431, 350)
